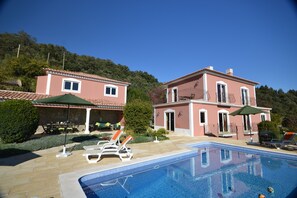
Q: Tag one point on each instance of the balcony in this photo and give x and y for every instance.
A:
(216, 130)
(223, 100)
(229, 131)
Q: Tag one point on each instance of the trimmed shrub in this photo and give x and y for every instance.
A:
(137, 115)
(267, 131)
(18, 120)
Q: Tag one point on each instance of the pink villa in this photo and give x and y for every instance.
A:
(108, 95)
(199, 104)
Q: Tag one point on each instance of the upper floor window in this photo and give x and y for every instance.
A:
(110, 90)
(263, 117)
(71, 85)
(174, 95)
(226, 156)
(204, 158)
(221, 92)
(244, 96)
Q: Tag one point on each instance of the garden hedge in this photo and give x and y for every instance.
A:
(137, 115)
(18, 120)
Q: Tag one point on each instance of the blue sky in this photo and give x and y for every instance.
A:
(169, 38)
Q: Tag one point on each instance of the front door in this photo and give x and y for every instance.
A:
(170, 121)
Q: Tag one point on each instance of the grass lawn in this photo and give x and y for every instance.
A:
(49, 141)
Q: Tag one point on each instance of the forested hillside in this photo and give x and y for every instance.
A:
(284, 105)
(34, 56)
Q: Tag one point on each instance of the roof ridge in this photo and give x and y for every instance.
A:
(87, 75)
(26, 92)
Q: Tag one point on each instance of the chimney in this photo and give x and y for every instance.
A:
(209, 67)
(229, 72)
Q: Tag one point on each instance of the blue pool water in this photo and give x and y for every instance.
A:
(210, 170)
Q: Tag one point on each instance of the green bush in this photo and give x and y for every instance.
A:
(137, 115)
(153, 133)
(162, 132)
(18, 120)
(267, 126)
(269, 129)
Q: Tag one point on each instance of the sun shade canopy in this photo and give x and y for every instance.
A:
(69, 99)
(246, 110)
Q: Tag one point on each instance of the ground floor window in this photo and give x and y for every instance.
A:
(223, 122)
(202, 117)
(170, 121)
(246, 123)
(263, 117)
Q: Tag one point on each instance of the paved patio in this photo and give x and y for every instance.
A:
(37, 174)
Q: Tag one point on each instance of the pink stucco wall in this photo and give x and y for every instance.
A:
(89, 89)
(233, 89)
(212, 119)
(188, 87)
(181, 116)
(41, 84)
(194, 85)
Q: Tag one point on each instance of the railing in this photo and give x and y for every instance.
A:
(199, 94)
(249, 101)
(229, 99)
(248, 129)
(215, 129)
(231, 130)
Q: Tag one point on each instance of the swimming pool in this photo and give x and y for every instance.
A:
(209, 170)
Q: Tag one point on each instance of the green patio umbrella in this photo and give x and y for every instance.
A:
(66, 99)
(247, 110)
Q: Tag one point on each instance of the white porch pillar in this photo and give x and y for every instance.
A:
(87, 131)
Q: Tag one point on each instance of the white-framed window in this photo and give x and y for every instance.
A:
(71, 85)
(174, 94)
(246, 122)
(222, 92)
(223, 121)
(263, 117)
(204, 158)
(203, 119)
(111, 90)
(226, 156)
(227, 183)
(244, 96)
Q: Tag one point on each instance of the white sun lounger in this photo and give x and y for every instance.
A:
(113, 141)
(124, 153)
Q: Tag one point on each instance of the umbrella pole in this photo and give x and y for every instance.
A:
(251, 133)
(66, 126)
(64, 153)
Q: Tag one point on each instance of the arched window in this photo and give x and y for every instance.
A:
(244, 95)
(222, 92)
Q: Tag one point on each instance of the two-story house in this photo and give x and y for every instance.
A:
(199, 104)
(108, 95)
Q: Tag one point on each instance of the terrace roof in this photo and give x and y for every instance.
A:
(19, 95)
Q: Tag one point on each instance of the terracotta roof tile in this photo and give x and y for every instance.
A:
(83, 75)
(18, 95)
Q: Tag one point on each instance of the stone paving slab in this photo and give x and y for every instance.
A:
(39, 176)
